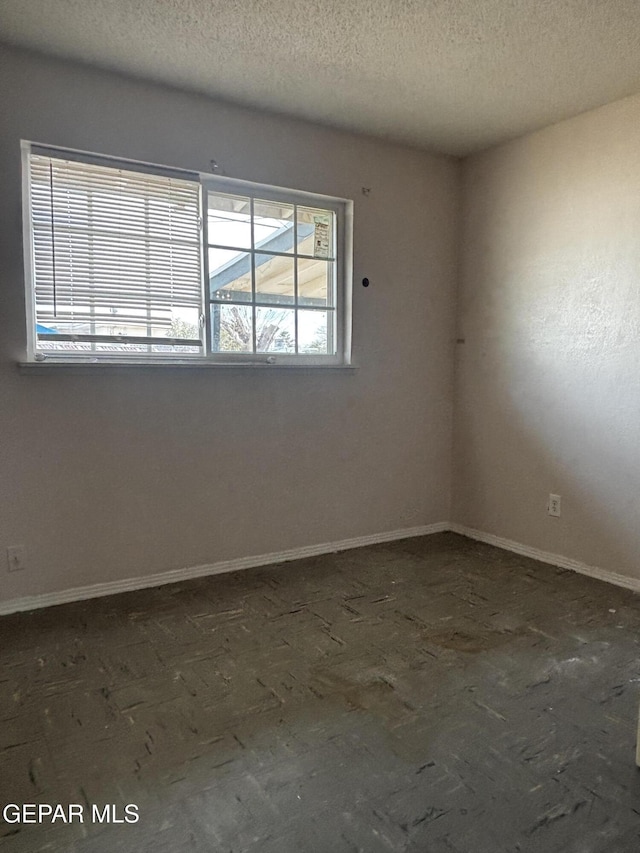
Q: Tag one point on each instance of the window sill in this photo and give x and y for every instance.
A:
(44, 367)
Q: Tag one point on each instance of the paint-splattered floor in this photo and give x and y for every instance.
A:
(432, 695)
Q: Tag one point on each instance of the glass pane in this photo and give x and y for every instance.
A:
(273, 225)
(274, 278)
(275, 330)
(185, 323)
(315, 332)
(229, 275)
(315, 232)
(229, 220)
(315, 281)
(182, 323)
(231, 328)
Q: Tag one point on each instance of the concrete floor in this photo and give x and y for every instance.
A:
(428, 695)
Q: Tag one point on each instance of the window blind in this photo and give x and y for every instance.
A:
(117, 257)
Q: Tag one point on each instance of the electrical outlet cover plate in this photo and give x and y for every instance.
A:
(554, 505)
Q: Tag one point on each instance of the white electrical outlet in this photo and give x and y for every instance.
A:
(16, 558)
(553, 507)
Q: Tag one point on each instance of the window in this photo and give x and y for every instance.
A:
(129, 262)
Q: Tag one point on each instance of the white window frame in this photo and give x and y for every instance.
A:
(343, 241)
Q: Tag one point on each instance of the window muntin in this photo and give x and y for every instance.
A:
(131, 262)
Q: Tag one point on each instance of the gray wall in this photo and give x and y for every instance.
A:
(548, 380)
(112, 475)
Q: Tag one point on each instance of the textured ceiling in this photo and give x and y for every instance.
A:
(450, 75)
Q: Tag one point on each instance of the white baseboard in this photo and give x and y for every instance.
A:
(548, 557)
(81, 593)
